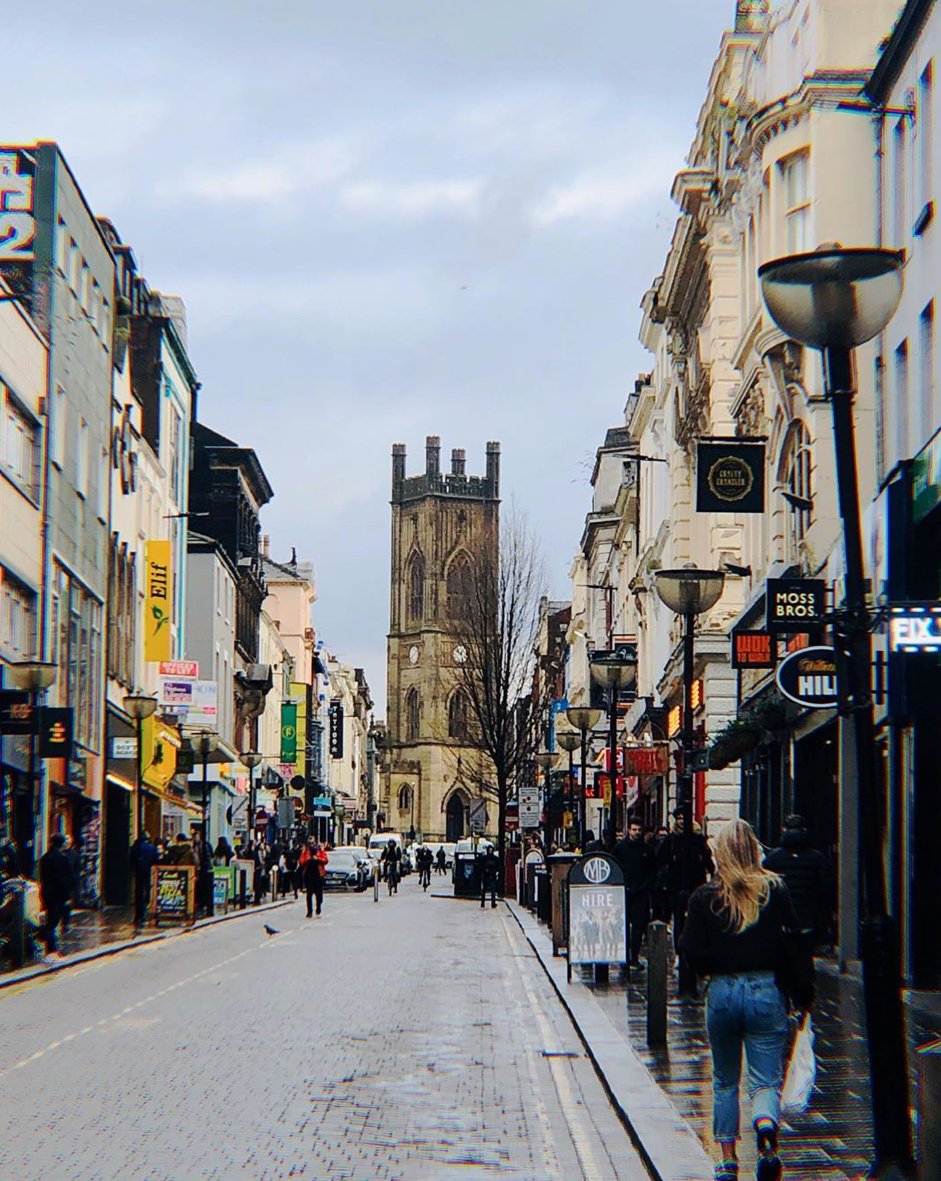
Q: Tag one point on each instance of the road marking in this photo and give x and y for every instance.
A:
(34, 1057)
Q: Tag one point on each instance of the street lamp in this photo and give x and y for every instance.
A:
(614, 671)
(204, 744)
(139, 706)
(688, 592)
(569, 740)
(546, 759)
(584, 718)
(35, 676)
(250, 759)
(833, 300)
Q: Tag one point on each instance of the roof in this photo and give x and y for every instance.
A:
(897, 49)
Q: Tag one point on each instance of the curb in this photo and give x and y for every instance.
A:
(668, 1146)
(103, 950)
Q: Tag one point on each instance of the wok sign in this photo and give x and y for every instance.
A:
(809, 678)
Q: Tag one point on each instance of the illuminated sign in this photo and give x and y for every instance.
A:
(754, 649)
(795, 604)
(915, 628)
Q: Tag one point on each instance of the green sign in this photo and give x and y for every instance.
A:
(289, 732)
(926, 474)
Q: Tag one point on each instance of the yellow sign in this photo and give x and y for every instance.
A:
(158, 610)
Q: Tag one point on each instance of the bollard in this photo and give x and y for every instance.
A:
(657, 984)
(375, 881)
(243, 889)
(18, 929)
(929, 1109)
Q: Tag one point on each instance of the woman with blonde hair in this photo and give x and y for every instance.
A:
(735, 934)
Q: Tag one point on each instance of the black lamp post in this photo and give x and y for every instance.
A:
(569, 740)
(584, 718)
(614, 671)
(250, 760)
(834, 300)
(35, 676)
(139, 706)
(204, 744)
(546, 759)
(688, 592)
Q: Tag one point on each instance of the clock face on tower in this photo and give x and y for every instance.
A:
(413, 654)
(460, 654)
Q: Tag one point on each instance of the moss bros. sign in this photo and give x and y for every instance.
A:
(809, 678)
(795, 604)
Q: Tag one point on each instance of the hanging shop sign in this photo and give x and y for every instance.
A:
(530, 806)
(157, 608)
(809, 677)
(795, 604)
(17, 223)
(754, 649)
(55, 733)
(647, 760)
(289, 733)
(336, 729)
(16, 712)
(730, 476)
(915, 627)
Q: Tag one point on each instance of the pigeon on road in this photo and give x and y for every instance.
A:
(269, 931)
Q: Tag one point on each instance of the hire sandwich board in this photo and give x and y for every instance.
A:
(597, 905)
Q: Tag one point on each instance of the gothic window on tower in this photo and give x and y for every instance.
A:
(416, 587)
(412, 714)
(459, 586)
(405, 798)
(457, 715)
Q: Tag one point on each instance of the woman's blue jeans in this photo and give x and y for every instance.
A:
(745, 1009)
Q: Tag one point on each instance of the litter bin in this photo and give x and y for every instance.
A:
(466, 876)
(559, 865)
(529, 879)
(541, 892)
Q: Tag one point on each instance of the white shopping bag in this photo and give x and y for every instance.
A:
(801, 1071)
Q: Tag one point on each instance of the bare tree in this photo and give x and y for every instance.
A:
(497, 626)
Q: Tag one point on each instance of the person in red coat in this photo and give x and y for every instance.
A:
(313, 868)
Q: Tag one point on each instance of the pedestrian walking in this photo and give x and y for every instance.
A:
(441, 860)
(807, 874)
(636, 859)
(143, 860)
(736, 933)
(660, 894)
(686, 865)
(489, 865)
(55, 889)
(181, 852)
(223, 852)
(313, 865)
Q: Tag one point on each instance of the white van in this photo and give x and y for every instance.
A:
(381, 839)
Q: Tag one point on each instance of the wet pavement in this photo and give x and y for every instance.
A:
(832, 1141)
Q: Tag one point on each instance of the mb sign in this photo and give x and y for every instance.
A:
(808, 677)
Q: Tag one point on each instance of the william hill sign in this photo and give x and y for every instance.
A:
(809, 678)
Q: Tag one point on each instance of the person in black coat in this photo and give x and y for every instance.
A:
(489, 864)
(636, 859)
(55, 889)
(680, 880)
(807, 874)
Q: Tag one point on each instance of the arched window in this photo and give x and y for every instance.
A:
(416, 587)
(405, 798)
(459, 587)
(794, 474)
(457, 715)
(412, 715)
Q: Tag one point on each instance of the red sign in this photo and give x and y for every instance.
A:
(798, 642)
(647, 760)
(756, 649)
(179, 668)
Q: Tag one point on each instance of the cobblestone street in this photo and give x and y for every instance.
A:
(417, 1038)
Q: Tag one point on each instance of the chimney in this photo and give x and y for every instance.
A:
(458, 462)
(398, 462)
(265, 543)
(433, 455)
(493, 468)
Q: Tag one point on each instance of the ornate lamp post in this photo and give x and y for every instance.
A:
(584, 718)
(569, 740)
(546, 759)
(139, 706)
(688, 592)
(250, 760)
(35, 676)
(834, 300)
(203, 744)
(614, 671)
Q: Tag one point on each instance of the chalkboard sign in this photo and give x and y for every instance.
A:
(173, 892)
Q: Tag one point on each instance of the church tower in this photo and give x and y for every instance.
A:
(441, 524)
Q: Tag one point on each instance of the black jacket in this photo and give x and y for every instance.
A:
(55, 878)
(807, 875)
(671, 860)
(636, 861)
(714, 950)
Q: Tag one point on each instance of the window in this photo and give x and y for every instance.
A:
(17, 619)
(62, 248)
(19, 444)
(901, 401)
(794, 170)
(925, 132)
(174, 455)
(459, 587)
(58, 427)
(84, 280)
(899, 165)
(412, 715)
(81, 460)
(926, 362)
(796, 469)
(416, 587)
(78, 617)
(75, 266)
(457, 715)
(405, 798)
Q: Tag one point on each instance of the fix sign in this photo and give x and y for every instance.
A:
(915, 629)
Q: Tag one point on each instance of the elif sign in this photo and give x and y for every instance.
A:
(809, 677)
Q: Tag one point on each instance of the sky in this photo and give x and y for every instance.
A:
(388, 219)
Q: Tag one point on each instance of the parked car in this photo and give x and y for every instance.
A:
(348, 869)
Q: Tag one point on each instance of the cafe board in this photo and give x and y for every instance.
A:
(174, 894)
